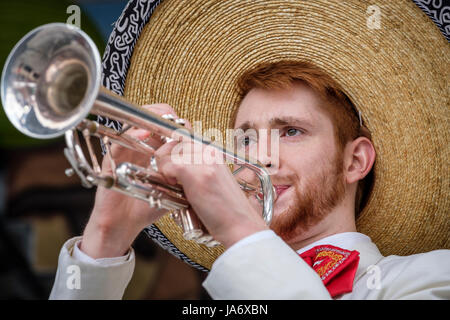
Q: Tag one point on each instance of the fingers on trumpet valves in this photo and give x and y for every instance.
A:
(153, 165)
(174, 118)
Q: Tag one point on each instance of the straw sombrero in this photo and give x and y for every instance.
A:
(190, 53)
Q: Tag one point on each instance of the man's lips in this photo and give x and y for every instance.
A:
(279, 189)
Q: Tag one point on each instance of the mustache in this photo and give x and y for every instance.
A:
(290, 179)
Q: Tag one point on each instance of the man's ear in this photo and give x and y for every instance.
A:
(359, 159)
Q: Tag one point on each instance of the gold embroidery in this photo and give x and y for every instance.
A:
(335, 260)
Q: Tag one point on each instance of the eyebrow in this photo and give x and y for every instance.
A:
(278, 121)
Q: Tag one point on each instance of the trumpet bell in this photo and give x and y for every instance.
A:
(50, 80)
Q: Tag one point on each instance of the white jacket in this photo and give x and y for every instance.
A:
(262, 266)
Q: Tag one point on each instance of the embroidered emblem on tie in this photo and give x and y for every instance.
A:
(335, 266)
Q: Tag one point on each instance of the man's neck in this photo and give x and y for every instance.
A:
(340, 219)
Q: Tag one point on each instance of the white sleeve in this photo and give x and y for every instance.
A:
(81, 256)
(263, 266)
(82, 279)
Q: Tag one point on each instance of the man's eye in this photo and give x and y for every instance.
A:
(246, 141)
(291, 132)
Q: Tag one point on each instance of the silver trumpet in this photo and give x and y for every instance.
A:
(51, 83)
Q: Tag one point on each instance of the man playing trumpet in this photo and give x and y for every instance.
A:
(321, 176)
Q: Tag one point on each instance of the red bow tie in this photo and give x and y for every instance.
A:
(335, 266)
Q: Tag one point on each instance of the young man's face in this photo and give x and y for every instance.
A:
(307, 172)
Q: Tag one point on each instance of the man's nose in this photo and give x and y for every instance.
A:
(268, 151)
(270, 163)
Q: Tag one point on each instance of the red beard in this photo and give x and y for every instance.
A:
(317, 197)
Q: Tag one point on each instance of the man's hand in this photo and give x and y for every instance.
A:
(212, 191)
(117, 219)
